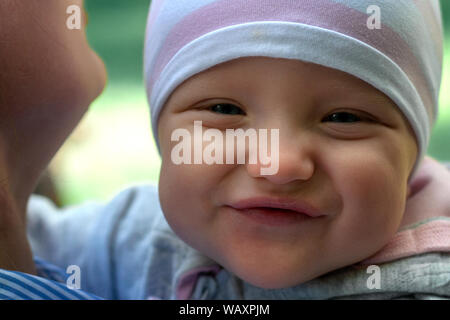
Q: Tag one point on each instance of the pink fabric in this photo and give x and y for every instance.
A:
(431, 236)
(188, 280)
(426, 222)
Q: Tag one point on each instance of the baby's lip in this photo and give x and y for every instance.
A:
(296, 205)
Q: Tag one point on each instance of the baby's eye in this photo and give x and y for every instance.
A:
(345, 117)
(226, 108)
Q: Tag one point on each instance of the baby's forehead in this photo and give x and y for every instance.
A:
(252, 74)
(249, 78)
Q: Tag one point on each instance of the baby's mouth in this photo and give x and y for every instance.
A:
(272, 216)
(275, 211)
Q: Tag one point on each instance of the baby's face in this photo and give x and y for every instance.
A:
(344, 148)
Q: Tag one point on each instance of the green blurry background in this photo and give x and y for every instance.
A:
(112, 147)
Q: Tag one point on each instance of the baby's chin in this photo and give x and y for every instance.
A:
(269, 272)
(273, 275)
(263, 268)
(268, 269)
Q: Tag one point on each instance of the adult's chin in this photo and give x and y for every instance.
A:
(37, 128)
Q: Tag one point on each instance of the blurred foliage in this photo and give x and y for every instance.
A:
(445, 7)
(116, 31)
(439, 146)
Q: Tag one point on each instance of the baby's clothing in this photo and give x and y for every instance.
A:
(126, 250)
(51, 283)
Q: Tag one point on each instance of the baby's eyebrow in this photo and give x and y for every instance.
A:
(332, 91)
(347, 90)
(369, 99)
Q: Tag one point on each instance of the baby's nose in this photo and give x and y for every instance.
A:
(292, 161)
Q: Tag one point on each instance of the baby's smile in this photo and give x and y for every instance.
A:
(274, 211)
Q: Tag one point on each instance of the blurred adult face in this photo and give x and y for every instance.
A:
(49, 76)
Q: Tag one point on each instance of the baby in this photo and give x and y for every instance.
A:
(352, 91)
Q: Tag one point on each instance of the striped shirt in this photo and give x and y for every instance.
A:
(49, 284)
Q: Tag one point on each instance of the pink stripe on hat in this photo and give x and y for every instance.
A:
(320, 13)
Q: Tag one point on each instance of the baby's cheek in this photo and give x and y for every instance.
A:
(372, 207)
(185, 194)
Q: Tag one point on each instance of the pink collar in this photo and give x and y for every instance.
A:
(426, 223)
